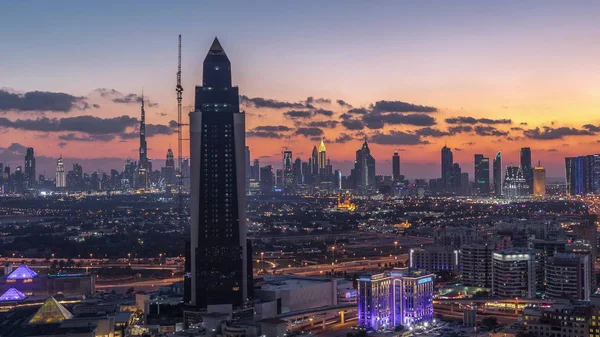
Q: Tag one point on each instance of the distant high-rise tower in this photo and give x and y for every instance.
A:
(220, 267)
(315, 161)
(169, 172)
(498, 174)
(539, 180)
(396, 167)
(143, 160)
(364, 169)
(322, 155)
(447, 169)
(61, 181)
(527, 168)
(482, 175)
(515, 185)
(288, 171)
(29, 174)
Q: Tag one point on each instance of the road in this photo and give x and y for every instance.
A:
(148, 285)
(351, 266)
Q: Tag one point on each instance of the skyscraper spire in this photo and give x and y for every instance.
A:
(143, 160)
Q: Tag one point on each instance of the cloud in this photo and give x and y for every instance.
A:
(378, 120)
(86, 138)
(432, 132)
(161, 114)
(343, 138)
(152, 130)
(41, 101)
(118, 97)
(330, 124)
(523, 123)
(552, 150)
(264, 134)
(396, 138)
(457, 149)
(309, 132)
(460, 129)
(312, 100)
(472, 120)
(272, 128)
(323, 112)
(469, 143)
(549, 133)
(343, 104)
(87, 124)
(297, 114)
(516, 128)
(62, 144)
(591, 127)
(353, 124)
(259, 102)
(489, 131)
(17, 148)
(399, 106)
(358, 111)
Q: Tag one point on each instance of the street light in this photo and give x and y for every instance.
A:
(262, 258)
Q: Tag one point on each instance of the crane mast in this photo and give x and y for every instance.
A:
(179, 91)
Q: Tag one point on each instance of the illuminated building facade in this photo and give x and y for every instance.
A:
(513, 273)
(434, 258)
(497, 172)
(539, 181)
(476, 260)
(61, 181)
(583, 174)
(515, 184)
(482, 175)
(399, 297)
(568, 275)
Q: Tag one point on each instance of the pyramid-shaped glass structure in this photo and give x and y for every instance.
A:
(12, 294)
(50, 312)
(22, 272)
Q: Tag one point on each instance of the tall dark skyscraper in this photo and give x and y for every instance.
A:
(482, 175)
(497, 174)
(169, 172)
(396, 167)
(29, 174)
(288, 171)
(221, 272)
(143, 160)
(527, 168)
(447, 169)
(364, 169)
(315, 161)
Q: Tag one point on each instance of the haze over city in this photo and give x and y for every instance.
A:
(481, 77)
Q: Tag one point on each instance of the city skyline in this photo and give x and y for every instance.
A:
(474, 97)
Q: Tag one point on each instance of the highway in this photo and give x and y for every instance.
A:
(350, 266)
(148, 285)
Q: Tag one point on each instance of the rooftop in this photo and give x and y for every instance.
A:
(291, 282)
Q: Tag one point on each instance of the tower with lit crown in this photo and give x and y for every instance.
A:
(60, 174)
(143, 160)
(217, 262)
(322, 155)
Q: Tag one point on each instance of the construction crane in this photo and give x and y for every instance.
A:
(179, 91)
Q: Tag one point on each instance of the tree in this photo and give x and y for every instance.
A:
(490, 322)
(130, 291)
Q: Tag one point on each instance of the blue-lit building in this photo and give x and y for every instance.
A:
(399, 297)
(582, 174)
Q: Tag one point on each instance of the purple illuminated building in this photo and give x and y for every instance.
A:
(398, 297)
(31, 283)
(12, 294)
(22, 273)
